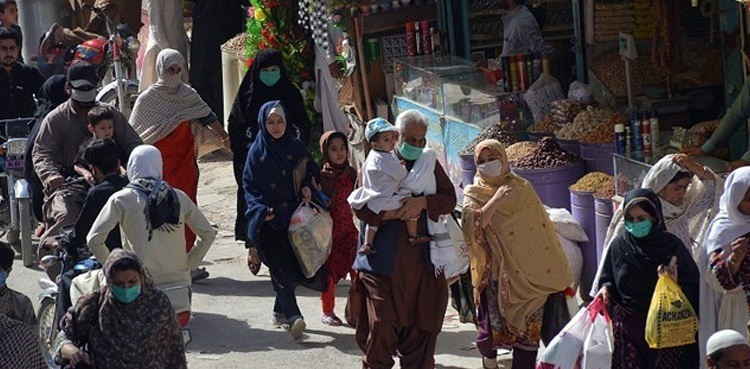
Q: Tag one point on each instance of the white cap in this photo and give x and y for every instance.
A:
(724, 339)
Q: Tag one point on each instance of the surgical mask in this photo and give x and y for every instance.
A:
(639, 229)
(125, 295)
(409, 152)
(492, 168)
(3, 277)
(83, 98)
(270, 77)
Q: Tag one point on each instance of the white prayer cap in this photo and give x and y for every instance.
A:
(724, 339)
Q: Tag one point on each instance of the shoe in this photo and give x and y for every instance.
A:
(199, 274)
(279, 321)
(50, 40)
(298, 328)
(332, 320)
(488, 363)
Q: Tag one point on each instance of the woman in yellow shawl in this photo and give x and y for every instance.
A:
(516, 259)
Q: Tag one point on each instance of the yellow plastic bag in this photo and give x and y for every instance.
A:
(671, 320)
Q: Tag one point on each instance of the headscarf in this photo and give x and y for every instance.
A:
(253, 94)
(167, 103)
(519, 249)
(331, 171)
(145, 173)
(141, 334)
(646, 254)
(268, 175)
(730, 224)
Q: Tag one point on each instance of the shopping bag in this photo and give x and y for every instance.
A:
(310, 233)
(671, 319)
(459, 245)
(567, 347)
(600, 343)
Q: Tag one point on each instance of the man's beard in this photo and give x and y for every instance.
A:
(8, 61)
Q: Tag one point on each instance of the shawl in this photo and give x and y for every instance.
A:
(145, 173)
(268, 179)
(634, 261)
(19, 346)
(253, 94)
(730, 224)
(167, 103)
(330, 172)
(142, 334)
(519, 249)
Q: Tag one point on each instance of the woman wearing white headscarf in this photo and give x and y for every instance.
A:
(724, 305)
(164, 116)
(152, 217)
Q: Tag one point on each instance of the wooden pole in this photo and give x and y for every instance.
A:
(362, 66)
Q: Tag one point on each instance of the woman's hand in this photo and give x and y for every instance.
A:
(306, 194)
(270, 215)
(253, 261)
(694, 151)
(79, 357)
(502, 192)
(604, 293)
(412, 208)
(227, 144)
(668, 270)
(737, 164)
(739, 250)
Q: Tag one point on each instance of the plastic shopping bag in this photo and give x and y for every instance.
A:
(671, 320)
(310, 233)
(600, 343)
(567, 347)
(459, 245)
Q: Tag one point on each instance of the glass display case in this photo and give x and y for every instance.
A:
(420, 79)
(471, 99)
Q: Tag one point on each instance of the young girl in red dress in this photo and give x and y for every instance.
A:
(337, 181)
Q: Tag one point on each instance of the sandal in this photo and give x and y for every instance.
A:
(49, 41)
(253, 261)
(366, 249)
(331, 320)
(199, 274)
(419, 240)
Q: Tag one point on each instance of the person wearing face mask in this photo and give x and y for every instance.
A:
(521, 34)
(630, 271)
(14, 305)
(61, 134)
(266, 80)
(399, 297)
(516, 259)
(127, 324)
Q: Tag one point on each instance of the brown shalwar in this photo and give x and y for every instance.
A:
(402, 314)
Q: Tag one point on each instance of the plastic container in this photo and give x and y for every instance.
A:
(570, 145)
(551, 184)
(468, 169)
(603, 216)
(598, 157)
(582, 209)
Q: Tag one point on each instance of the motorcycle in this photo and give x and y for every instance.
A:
(18, 200)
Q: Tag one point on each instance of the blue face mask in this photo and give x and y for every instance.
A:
(125, 295)
(270, 77)
(639, 229)
(3, 277)
(409, 152)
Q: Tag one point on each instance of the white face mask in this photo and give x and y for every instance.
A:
(492, 168)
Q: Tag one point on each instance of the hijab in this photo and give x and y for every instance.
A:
(253, 94)
(519, 249)
(141, 334)
(331, 172)
(162, 107)
(268, 174)
(730, 224)
(145, 173)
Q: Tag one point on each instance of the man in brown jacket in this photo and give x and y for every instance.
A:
(61, 135)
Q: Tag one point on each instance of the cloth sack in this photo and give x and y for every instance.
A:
(567, 347)
(566, 226)
(311, 233)
(671, 320)
(600, 343)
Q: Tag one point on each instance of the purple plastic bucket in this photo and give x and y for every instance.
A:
(603, 213)
(551, 184)
(598, 157)
(582, 209)
(535, 137)
(468, 169)
(570, 145)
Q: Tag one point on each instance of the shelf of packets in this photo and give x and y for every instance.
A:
(607, 19)
(644, 20)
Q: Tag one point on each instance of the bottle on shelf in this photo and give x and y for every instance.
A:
(436, 41)
(636, 131)
(628, 140)
(515, 82)
(529, 70)
(521, 67)
(426, 37)
(654, 122)
(646, 134)
(418, 37)
(545, 64)
(507, 79)
(411, 39)
(620, 139)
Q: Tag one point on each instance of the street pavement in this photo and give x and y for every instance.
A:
(231, 326)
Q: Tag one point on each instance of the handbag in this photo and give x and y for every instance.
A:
(298, 177)
(311, 234)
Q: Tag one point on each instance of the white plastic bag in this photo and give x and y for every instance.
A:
(541, 94)
(567, 347)
(311, 233)
(600, 344)
(462, 252)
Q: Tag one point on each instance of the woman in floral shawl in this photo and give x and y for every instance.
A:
(127, 324)
(516, 259)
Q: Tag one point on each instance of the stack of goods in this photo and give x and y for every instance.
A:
(547, 154)
(493, 132)
(644, 20)
(610, 70)
(593, 182)
(611, 19)
(604, 133)
(701, 132)
(520, 150)
(237, 43)
(585, 122)
(565, 111)
(547, 125)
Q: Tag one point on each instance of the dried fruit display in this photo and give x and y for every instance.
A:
(547, 154)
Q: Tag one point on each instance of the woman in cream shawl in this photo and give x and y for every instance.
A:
(516, 259)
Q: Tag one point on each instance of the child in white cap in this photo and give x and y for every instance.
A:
(727, 349)
(382, 174)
